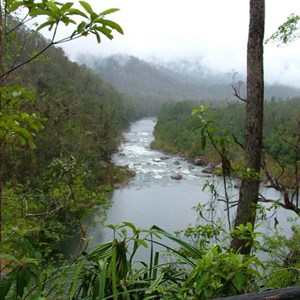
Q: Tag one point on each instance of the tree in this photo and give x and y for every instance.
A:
(14, 15)
(248, 198)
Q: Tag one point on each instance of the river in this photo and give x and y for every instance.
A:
(154, 198)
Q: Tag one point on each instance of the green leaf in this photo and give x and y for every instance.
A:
(31, 144)
(98, 37)
(5, 284)
(67, 6)
(87, 7)
(42, 12)
(111, 226)
(46, 24)
(52, 5)
(9, 258)
(93, 16)
(142, 242)
(77, 12)
(29, 261)
(15, 5)
(21, 282)
(105, 31)
(21, 139)
(81, 27)
(111, 24)
(109, 11)
(196, 111)
(239, 281)
(194, 251)
(131, 225)
(203, 141)
(75, 281)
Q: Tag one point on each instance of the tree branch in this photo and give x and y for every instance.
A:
(286, 205)
(44, 213)
(237, 91)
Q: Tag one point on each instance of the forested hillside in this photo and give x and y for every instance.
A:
(72, 121)
(174, 132)
(151, 84)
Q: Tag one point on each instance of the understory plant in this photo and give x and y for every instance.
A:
(173, 269)
(282, 265)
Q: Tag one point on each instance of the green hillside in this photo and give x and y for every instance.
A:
(69, 124)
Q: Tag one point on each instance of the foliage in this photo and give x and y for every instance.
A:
(172, 131)
(84, 20)
(208, 131)
(114, 271)
(191, 144)
(24, 268)
(247, 233)
(287, 32)
(283, 259)
(85, 116)
(17, 126)
(65, 200)
(82, 118)
(280, 133)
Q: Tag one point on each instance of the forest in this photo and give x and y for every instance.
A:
(60, 125)
(175, 132)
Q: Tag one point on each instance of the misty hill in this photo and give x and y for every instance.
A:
(157, 82)
(139, 78)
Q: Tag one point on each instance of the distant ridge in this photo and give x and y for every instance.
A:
(161, 82)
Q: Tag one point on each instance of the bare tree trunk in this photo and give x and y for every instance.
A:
(246, 211)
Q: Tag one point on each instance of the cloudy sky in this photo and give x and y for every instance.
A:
(215, 30)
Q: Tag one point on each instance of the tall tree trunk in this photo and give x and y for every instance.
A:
(246, 211)
(1, 154)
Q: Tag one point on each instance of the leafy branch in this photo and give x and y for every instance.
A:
(85, 20)
(288, 32)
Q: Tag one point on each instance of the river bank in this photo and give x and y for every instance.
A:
(152, 197)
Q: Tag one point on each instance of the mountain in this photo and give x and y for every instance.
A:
(155, 82)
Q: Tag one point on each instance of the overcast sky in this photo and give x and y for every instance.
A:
(215, 30)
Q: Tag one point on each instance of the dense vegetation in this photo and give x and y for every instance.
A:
(64, 175)
(199, 265)
(71, 122)
(174, 130)
(71, 156)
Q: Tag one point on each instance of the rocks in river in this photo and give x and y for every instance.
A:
(176, 176)
(191, 167)
(118, 186)
(203, 175)
(200, 161)
(164, 157)
(177, 163)
(125, 166)
(209, 168)
(157, 160)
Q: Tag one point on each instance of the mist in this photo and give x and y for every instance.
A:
(215, 30)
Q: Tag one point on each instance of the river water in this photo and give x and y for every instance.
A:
(154, 198)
